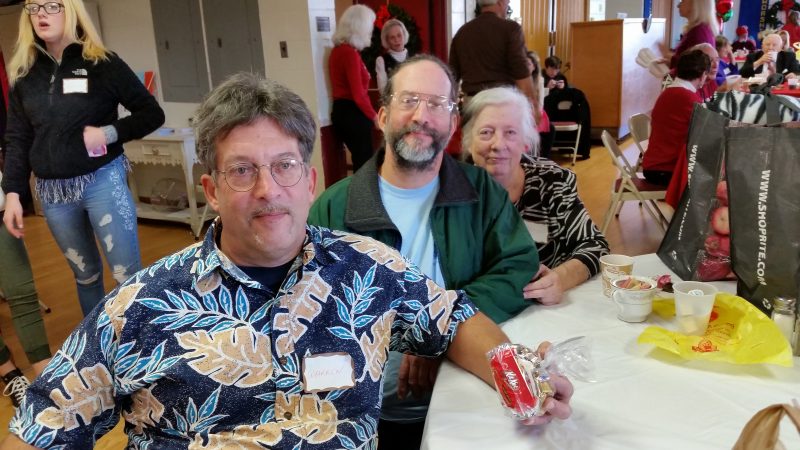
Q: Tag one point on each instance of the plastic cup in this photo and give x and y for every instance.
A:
(773, 56)
(613, 267)
(694, 301)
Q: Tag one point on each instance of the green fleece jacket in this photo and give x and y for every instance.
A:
(482, 244)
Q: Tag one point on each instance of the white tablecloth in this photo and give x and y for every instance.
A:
(644, 397)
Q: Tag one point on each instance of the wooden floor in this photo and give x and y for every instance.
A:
(634, 233)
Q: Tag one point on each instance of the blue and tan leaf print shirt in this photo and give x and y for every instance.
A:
(194, 354)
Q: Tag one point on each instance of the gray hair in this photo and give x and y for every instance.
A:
(483, 3)
(355, 27)
(242, 99)
(388, 90)
(391, 23)
(499, 96)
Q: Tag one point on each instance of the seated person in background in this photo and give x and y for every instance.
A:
(498, 135)
(208, 348)
(792, 27)
(743, 40)
(394, 38)
(727, 66)
(785, 39)
(553, 78)
(543, 126)
(707, 89)
(770, 59)
(671, 116)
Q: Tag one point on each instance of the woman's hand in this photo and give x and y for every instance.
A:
(93, 138)
(12, 217)
(545, 287)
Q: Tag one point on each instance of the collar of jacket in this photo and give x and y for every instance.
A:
(71, 50)
(365, 211)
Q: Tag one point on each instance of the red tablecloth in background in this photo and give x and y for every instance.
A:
(784, 90)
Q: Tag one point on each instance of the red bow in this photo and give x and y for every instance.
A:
(787, 5)
(382, 16)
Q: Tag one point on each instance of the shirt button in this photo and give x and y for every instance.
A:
(283, 360)
(287, 415)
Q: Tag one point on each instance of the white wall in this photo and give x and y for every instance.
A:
(633, 8)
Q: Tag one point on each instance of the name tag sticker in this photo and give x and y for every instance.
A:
(538, 231)
(328, 372)
(76, 85)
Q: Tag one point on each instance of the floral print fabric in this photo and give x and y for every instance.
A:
(194, 354)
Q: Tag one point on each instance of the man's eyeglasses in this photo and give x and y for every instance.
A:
(49, 7)
(242, 177)
(409, 101)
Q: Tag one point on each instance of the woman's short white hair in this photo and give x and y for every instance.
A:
(500, 96)
(355, 27)
(387, 27)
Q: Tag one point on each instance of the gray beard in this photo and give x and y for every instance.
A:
(413, 158)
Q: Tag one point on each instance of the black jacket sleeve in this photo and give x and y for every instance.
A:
(747, 69)
(19, 138)
(146, 114)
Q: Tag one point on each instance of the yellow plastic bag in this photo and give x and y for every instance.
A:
(737, 333)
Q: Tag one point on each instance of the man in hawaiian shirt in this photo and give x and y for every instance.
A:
(269, 333)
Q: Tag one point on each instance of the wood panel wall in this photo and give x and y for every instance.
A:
(535, 15)
(567, 12)
(663, 9)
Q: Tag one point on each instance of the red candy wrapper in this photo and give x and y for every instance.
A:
(520, 379)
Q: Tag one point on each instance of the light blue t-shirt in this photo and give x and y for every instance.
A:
(410, 211)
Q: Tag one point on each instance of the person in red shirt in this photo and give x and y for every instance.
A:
(672, 115)
(352, 114)
(793, 27)
(743, 40)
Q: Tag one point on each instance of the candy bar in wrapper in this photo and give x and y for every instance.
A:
(521, 381)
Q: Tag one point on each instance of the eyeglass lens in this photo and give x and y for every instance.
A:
(243, 177)
(49, 8)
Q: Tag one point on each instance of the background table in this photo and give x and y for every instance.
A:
(644, 397)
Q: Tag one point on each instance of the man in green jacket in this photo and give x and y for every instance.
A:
(452, 219)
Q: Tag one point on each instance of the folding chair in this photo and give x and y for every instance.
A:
(561, 143)
(569, 114)
(630, 186)
(639, 125)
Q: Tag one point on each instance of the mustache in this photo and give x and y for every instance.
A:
(270, 209)
(417, 127)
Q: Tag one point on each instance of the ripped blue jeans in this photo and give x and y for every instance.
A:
(106, 212)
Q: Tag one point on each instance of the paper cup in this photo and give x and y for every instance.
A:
(612, 267)
(694, 301)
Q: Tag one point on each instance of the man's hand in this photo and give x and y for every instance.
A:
(545, 287)
(556, 406)
(418, 374)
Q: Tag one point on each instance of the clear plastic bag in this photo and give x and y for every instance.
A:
(522, 377)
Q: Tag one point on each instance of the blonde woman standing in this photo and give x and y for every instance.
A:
(63, 126)
(701, 27)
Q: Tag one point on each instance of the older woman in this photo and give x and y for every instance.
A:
(394, 37)
(498, 135)
(63, 126)
(701, 27)
(352, 115)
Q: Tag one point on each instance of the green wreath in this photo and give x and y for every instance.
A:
(771, 20)
(371, 53)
